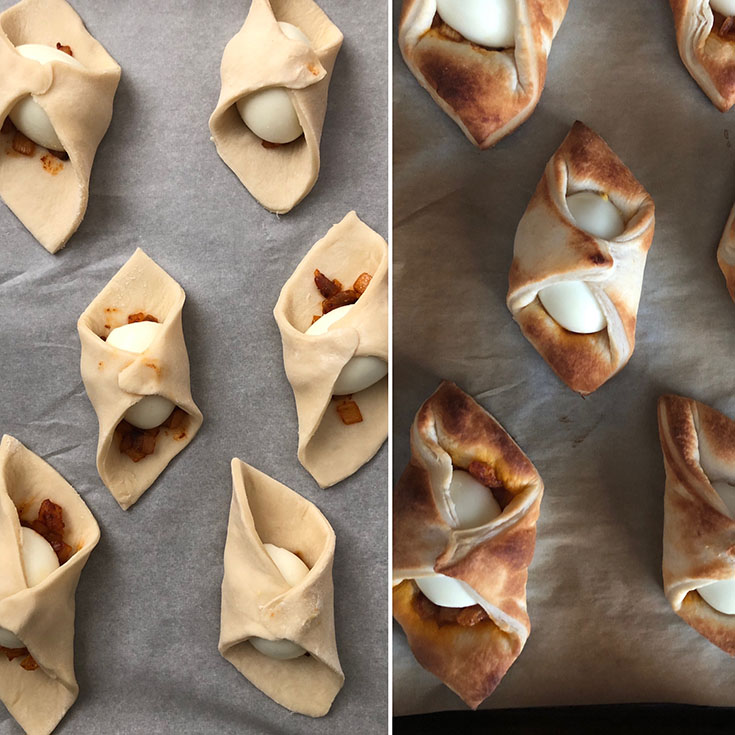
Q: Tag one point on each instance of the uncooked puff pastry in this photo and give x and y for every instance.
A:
(451, 429)
(550, 248)
(261, 56)
(726, 253)
(709, 56)
(257, 602)
(115, 380)
(41, 616)
(49, 196)
(329, 449)
(699, 534)
(488, 93)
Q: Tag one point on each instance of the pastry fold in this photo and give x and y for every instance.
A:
(329, 449)
(41, 616)
(256, 601)
(115, 379)
(698, 445)
(550, 248)
(450, 431)
(487, 92)
(709, 57)
(48, 195)
(726, 253)
(261, 56)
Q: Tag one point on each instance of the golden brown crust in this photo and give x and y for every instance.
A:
(699, 535)
(549, 248)
(488, 93)
(452, 430)
(709, 57)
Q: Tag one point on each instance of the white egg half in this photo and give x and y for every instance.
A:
(446, 591)
(490, 23)
(596, 214)
(27, 115)
(293, 570)
(726, 7)
(150, 411)
(573, 306)
(39, 558)
(474, 503)
(269, 112)
(360, 372)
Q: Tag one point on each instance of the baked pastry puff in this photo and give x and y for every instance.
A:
(578, 260)
(698, 445)
(705, 35)
(48, 189)
(278, 631)
(340, 428)
(265, 55)
(135, 369)
(464, 531)
(726, 253)
(488, 87)
(37, 682)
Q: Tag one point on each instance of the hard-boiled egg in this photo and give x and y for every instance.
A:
(39, 560)
(721, 595)
(360, 372)
(596, 214)
(293, 570)
(490, 23)
(446, 591)
(573, 306)
(726, 7)
(269, 112)
(27, 115)
(474, 503)
(150, 411)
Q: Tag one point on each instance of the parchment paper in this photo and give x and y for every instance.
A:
(148, 604)
(602, 630)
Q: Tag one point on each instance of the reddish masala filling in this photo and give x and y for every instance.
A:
(50, 525)
(464, 616)
(334, 297)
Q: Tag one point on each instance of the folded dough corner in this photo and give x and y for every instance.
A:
(706, 49)
(116, 380)
(329, 449)
(450, 432)
(487, 92)
(261, 56)
(256, 600)
(47, 194)
(698, 445)
(550, 248)
(42, 616)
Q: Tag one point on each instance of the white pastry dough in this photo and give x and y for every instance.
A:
(550, 248)
(329, 449)
(260, 55)
(116, 379)
(257, 601)
(48, 195)
(42, 617)
(698, 445)
(488, 93)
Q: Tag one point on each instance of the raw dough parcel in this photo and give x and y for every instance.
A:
(487, 92)
(116, 379)
(698, 445)
(328, 448)
(42, 616)
(256, 601)
(47, 194)
(260, 56)
(452, 432)
(550, 248)
(707, 48)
